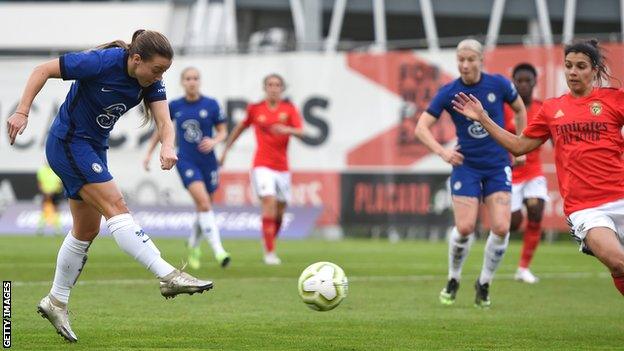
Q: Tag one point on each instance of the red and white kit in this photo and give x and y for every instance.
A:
(588, 143)
(270, 174)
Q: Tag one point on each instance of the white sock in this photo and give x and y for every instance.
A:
(208, 225)
(71, 258)
(459, 247)
(133, 241)
(495, 248)
(193, 240)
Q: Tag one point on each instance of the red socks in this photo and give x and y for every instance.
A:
(532, 236)
(619, 283)
(269, 228)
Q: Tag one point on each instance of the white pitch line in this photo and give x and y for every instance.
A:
(391, 278)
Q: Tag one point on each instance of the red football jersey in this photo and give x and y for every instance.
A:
(588, 146)
(271, 147)
(533, 166)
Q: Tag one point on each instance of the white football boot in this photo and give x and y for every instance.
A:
(57, 316)
(178, 282)
(271, 259)
(525, 275)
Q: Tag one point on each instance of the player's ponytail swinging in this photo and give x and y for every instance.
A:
(594, 51)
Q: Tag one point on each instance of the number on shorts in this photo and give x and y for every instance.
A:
(214, 178)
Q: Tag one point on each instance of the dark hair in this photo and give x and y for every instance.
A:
(591, 49)
(524, 67)
(274, 75)
(147, 44)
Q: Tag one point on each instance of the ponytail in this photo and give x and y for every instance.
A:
(594, 52)
(147, 44)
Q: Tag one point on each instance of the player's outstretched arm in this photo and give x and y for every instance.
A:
(423, 133)
(236, 132)
(470, 106)
(39, 76)
(166, 133)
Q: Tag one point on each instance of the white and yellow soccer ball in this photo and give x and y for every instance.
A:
(322, 286)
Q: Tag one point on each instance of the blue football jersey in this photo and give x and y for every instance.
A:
(475, 143)
(194, 121)
(102, 92)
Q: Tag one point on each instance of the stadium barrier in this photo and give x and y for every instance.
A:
(360, 110)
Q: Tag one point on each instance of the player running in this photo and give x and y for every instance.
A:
(585, 126)
(481, 168)
(529, 185)
(274, 121)
(109, 81)
(196, 117)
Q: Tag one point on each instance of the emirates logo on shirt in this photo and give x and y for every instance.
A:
(595, 108)
(581, 131)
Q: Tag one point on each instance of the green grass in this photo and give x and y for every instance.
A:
(392, 303)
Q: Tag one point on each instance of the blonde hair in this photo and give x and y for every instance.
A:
(472, 45)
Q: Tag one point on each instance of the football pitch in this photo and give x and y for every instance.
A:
(392, 302)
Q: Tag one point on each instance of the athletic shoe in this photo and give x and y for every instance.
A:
(271, 259)
(223, 259)
(57, 316)
(482, 296)
(447, 295)
(525, 275)
(178, 282)
(194, 257)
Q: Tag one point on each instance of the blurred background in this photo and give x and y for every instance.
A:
(360, 72)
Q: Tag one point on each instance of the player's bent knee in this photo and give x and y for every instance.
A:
(616, 264)
(534, 214)
(465, 229)
(500, 229)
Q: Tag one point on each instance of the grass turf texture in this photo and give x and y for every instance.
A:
(392, 303)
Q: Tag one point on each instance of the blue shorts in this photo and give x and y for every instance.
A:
(479, 183)
(191, 171)
(77, 162)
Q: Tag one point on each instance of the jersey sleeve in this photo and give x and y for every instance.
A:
(249, 117)
(438, 103)
(156, 92)
(510, 94)
(295, 118)
(172, 111)
(81, 65)
(538, 126)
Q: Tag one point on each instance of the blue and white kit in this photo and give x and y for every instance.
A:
(194, 121)
(487, 165)
(101, 93)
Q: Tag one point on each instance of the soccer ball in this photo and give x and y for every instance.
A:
(322, 286)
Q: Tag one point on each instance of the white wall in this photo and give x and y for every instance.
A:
(77, 25)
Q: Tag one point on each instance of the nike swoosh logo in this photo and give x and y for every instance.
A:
(146, 240)
(107, 90)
